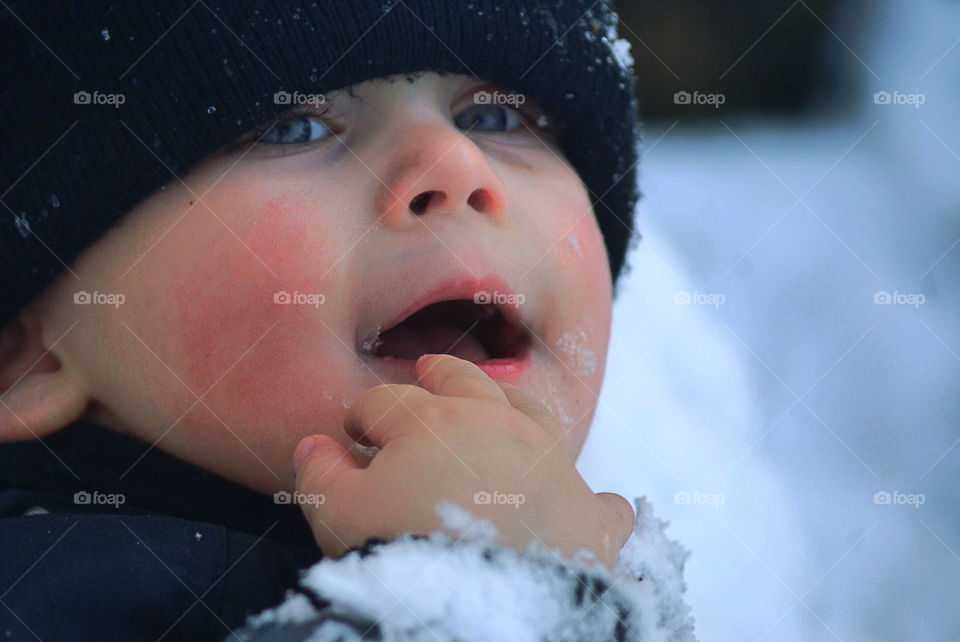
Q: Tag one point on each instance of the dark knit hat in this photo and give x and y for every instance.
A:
(106, 101)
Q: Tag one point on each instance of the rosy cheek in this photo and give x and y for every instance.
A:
(254, 307)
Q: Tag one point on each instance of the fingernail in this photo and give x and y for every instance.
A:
(303, 449)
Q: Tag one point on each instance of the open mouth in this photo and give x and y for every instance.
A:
(478, 332)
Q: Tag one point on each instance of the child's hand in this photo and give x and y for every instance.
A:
(457, 433)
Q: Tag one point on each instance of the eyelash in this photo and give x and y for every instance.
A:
(323, 112)
(326, 113)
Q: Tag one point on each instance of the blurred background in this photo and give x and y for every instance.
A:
(783, 375)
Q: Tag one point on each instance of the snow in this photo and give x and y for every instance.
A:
(800, 398)
(296, 608)
(675, 412)
(466, 527)
(371, 343)
(621, 53)
(573, 345)
(22, 225)
(619, 47)
(436, 589)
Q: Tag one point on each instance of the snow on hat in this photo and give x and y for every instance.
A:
(104, 101)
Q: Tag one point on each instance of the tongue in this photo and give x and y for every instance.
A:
(409, 341)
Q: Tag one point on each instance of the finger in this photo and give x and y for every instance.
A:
(450, 376)
(530, 405)
(319, 461)
(39, 406)
(379, 415)
(327, 463)
(619, 517)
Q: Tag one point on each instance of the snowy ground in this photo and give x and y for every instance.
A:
(762, 417)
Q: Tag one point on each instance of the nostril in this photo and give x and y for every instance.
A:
(480, 200)
(421, 201)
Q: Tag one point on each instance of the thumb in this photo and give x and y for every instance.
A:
(619, 517)
(318, 460)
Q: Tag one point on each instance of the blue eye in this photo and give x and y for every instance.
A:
(295, 130)
(495, 118)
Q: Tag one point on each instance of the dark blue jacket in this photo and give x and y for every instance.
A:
(104, 538)
(186, 556)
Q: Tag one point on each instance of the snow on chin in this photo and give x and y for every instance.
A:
(557, 403)
(573, 344)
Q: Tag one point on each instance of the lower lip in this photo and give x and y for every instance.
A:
(505, 370)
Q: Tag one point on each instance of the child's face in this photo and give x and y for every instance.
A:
(204, 355)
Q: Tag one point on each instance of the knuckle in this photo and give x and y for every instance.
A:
(386, 395)
(399, 392)
(622, 512)
(522, 432)
(434, 412)
(464, 377)
(526, 427)
(538, 411)
(375, 393)
(363, 400)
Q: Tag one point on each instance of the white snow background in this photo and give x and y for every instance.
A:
(762, 428)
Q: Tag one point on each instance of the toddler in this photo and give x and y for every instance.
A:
(301, 285)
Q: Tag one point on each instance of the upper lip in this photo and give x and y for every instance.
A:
(459, 287)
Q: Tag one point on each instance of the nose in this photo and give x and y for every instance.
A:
(434, 168)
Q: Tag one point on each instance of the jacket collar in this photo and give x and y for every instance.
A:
(90, 457)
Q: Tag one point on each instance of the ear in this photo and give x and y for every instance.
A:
(38, 396)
